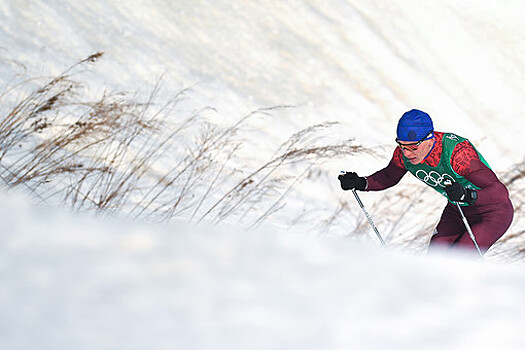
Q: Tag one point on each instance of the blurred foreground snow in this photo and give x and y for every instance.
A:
(73, 282)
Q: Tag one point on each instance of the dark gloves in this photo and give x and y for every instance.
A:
(458, 193)
(351, 180)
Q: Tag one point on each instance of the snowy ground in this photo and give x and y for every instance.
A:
(68, 281)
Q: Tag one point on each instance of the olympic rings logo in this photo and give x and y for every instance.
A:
(433, 178)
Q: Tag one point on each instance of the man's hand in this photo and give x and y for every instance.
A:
(458, 193)
(351, 180)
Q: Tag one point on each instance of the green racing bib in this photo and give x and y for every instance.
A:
(435, 176)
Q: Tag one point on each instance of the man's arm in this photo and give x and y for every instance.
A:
(388, 176)
(466, 162)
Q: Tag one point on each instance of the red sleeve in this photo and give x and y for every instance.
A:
(465, 159)
(388, 176)
(466, 162)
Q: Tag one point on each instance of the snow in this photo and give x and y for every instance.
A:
(77, 281)
(70, 282)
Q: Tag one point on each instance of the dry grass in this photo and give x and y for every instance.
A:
(118, 155)
(143, 160)
(511, 247)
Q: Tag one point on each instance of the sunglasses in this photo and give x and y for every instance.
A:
(414, 145)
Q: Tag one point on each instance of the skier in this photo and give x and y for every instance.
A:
(435, 157)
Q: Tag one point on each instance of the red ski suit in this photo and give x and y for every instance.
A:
(489, 217)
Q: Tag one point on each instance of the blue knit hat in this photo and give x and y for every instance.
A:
(414, 125)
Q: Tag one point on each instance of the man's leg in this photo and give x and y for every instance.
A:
(487, 228)
(449, 230)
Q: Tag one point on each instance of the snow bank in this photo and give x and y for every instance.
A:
(69, 281)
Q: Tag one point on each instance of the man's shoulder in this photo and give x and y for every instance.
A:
(397, 158)
(449, 137)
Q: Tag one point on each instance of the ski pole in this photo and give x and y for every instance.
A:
(369, 218)
(469, 230)
(467, 225)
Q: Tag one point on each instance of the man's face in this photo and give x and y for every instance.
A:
(415, 152)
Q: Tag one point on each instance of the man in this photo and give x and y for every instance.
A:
(451, 165)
